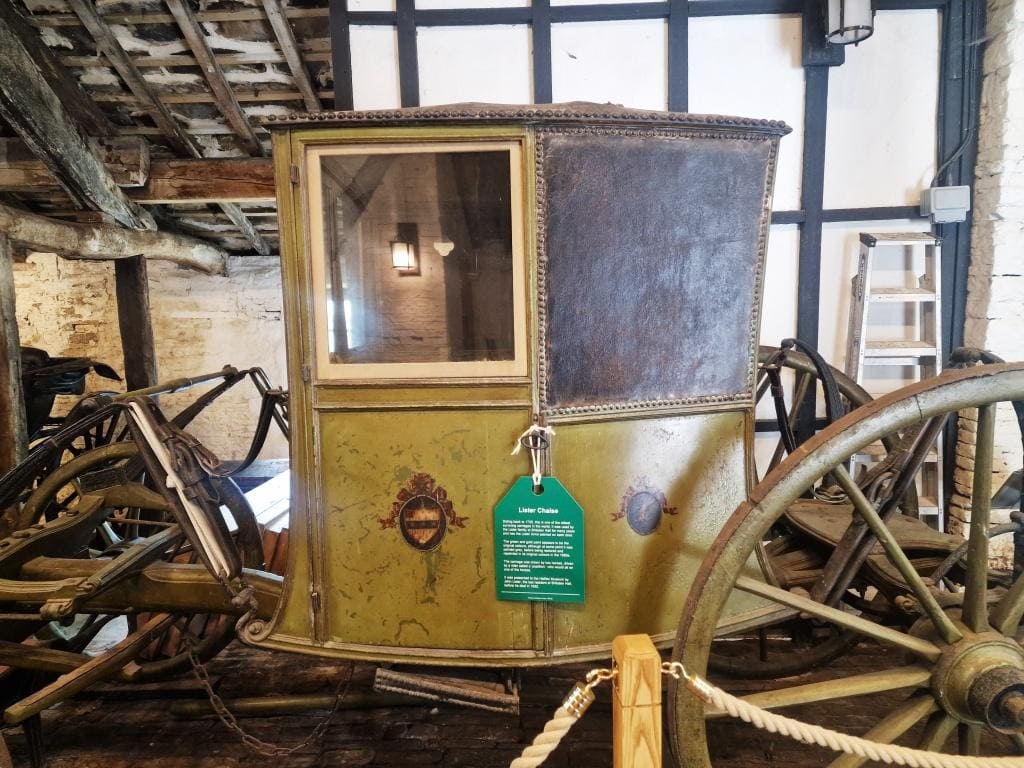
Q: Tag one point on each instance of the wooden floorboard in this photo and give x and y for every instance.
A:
(116, 730)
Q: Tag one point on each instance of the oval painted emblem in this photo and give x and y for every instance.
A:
(643, 506)
(422, 522)
(423, 513)
(643, 512)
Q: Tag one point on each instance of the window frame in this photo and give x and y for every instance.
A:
(410, 372)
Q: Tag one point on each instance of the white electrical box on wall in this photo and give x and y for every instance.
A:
(946, 204)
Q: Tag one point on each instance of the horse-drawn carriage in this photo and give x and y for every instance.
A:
(587, 280)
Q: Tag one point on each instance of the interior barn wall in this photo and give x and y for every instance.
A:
(879, 150)
(200, 322)
(995, 311)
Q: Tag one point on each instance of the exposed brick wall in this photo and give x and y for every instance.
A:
(201, 323)
(995, 309)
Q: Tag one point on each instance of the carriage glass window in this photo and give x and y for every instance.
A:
(417, 260)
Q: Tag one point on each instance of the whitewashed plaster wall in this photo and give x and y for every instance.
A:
(200, 322)
(995, 308)
(879, 151)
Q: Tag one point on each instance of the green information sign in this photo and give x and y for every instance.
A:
(538, 544)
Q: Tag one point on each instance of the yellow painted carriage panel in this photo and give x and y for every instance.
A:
(655, 493)
(380, 588)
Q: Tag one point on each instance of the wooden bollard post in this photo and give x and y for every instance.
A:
(636, 703)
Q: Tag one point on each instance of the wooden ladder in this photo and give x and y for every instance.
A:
(923, 351)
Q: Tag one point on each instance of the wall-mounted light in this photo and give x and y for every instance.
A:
(849, 21)
(444, 247)
(405, 250)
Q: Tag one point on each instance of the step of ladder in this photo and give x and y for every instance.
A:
(884, 352)
(872, 239)
(901, 295)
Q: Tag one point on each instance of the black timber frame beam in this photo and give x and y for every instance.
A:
(963, 35)
(135, 322)
(474, 17)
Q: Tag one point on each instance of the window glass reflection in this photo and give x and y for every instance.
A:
(418, 256)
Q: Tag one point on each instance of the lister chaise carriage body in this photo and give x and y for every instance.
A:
(453, 275)
(455, 278)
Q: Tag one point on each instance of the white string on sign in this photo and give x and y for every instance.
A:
(537, 439)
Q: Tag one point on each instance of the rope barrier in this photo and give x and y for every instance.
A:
(582, 696)
(575, 705)
(547, 740)
(825, 737)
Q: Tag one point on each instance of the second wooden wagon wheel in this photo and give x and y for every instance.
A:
(940, 652)
(136, 511)
(796, 646)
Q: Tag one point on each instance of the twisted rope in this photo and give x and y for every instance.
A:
(838, 742)
(546, 741)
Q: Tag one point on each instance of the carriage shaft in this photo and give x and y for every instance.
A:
(167, 587)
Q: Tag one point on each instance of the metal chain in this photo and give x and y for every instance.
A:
(231, 722)
(597, 676)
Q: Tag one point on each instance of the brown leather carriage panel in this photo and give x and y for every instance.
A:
(650, 252)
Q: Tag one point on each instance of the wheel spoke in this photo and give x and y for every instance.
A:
(969, 739)
(943, 624)
(937, 731)
(877, 632)
(1008, 612)
(1018, 742)
(857, 685)
(891, 727)
(975, 610)
(856, 545)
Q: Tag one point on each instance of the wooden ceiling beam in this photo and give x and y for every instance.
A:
(248, 180)
(101, 242)
(224, 96)
(67, 88)
(169, 127)
(122, 63)
(37, 114)
(290, 49)
(309, 53)
(150, 17)
(208, 98)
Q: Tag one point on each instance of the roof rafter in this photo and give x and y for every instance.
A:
(169, 127)
(75, 100)
(292, 54)
(214, 75)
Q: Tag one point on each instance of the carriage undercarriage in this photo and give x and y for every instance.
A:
(821, 563)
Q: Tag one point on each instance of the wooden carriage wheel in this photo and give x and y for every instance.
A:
(136, 511)
(946, 668)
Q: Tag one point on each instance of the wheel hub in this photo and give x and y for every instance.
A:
(980, 680)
